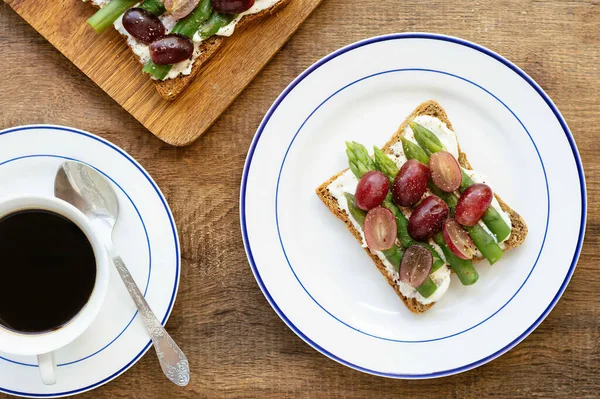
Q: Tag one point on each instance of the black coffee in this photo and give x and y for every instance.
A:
(47, 271)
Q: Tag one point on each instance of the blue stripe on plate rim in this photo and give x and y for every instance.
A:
(401, 36)
(175, 239)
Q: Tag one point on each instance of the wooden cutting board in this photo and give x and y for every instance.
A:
(109, 63)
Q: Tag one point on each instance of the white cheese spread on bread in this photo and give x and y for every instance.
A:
(347, 182)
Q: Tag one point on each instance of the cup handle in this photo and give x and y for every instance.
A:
(47, 366)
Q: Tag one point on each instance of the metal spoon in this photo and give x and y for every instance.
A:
(86, 189)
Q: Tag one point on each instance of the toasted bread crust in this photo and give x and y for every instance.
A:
(431, 108)
(169, 89)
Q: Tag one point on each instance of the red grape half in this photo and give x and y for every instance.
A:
(416, 265)
(380, 229)
(445, 171)
(410, 183)
(458, 240)
(371, 190)
(427, 218)
(473, 203)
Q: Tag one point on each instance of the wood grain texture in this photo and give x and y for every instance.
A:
(107, 60)
(237, 345)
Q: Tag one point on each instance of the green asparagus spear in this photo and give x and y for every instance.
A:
(413, 151)
(465, 182)
(485, 243)
(492, 219)
(426, 139)
(358, 158)
(156, 7)
(394, 256)
(158, 71)
(463, 268)
(356, 213)
(384, 164)
(427, 288)
(214, 23)
(189, 25)
(437, 260)
(107, 15)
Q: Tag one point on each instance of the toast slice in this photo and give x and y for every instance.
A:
(430, 108)
(169, 89)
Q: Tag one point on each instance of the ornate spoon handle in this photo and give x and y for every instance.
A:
(172, 360)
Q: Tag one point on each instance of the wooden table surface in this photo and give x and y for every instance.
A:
(236, 344)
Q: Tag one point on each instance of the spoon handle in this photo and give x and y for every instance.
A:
(172, 360)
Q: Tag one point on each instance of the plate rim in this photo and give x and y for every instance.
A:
(400, 36)
(175, 232)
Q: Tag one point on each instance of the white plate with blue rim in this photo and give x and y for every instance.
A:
(145, 236)
(315, 274)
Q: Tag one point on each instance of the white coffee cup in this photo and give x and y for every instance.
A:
(44, 344)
